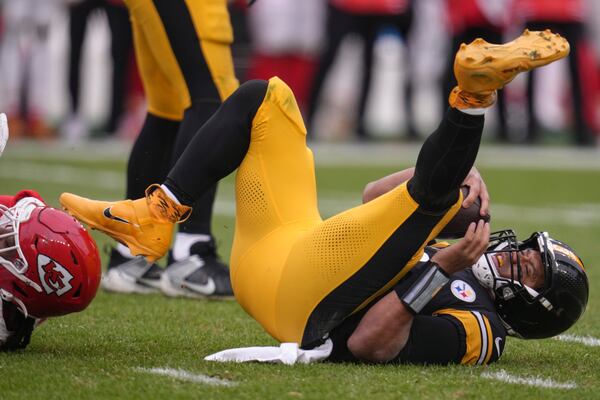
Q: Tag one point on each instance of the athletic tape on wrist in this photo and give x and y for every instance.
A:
(424, 286)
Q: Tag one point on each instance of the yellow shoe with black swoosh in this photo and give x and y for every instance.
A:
(481, 68)
(144, 225)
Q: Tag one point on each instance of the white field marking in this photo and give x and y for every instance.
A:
(331, 154)
(187, 376)
(585, 340)
(504, 376)
(580, 215)
(60, 174)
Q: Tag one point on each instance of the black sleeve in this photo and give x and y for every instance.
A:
(457, 336)
(17, 327)
(433, 340)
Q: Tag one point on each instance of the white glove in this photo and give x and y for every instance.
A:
(3, 132)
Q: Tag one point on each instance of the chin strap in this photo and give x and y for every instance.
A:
(9, 297)
(15, 327)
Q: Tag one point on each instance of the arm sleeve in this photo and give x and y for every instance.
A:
(433, 340)
(451, 337)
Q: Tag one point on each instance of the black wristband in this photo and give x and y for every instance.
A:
(421, 286)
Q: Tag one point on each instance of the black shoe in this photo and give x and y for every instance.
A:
(131, 275)
(200, 275)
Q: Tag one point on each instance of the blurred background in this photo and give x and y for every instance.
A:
(362, 70)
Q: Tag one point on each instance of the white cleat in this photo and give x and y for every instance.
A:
(133, 276)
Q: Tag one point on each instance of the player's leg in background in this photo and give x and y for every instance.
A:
(574, 33)
(149, 160)
(207, 69)
(79, 13)
(339, 25)
(368, 28)
(120, 48)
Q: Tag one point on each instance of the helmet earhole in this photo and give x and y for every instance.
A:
(77, 292)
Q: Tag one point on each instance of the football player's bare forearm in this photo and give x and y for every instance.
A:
(382, 332)
(381, 186)
(465, 252)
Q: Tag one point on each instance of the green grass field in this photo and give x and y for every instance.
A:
(109, 350)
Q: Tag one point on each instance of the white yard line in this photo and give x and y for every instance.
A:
(504, 376)
(585, 340)
(187, 376)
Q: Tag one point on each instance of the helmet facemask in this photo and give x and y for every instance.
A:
(11, 254)
(542, 312)
(512, 287)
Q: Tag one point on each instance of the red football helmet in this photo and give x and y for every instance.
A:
(49, 264)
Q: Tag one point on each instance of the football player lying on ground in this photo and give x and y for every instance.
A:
(300, 276)
(49, 264)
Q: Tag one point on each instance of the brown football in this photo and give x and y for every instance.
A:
(458, 225)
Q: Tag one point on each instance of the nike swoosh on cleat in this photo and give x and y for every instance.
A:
(109, 215)
(206, 289)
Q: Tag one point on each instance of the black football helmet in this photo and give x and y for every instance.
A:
(539, 313)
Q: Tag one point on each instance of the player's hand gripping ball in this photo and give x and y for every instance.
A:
(458, 225)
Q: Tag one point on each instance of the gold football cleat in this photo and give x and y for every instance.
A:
(481, 68)
(144, 225)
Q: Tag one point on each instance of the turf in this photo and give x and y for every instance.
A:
(100, 352)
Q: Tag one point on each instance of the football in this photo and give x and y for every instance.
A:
(458, 225)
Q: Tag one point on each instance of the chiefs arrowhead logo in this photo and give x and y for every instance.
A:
(54, 277)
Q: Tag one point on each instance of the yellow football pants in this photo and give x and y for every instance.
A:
(163, 78)
(296, 274)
